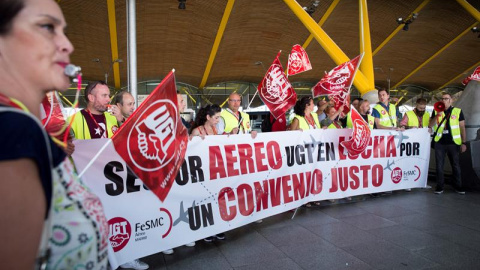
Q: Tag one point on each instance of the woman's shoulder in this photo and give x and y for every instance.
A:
(18, 125)
(23, 136)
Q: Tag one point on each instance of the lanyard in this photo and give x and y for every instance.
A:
(96, 123)
(310, 122)
(206, 133)
(11, 102)
(239, 118)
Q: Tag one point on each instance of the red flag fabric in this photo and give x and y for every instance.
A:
(336, 83)
(52, 116)
(153, 140)
(298, 61)
(276, 91)
(360, 136)
(475, 76)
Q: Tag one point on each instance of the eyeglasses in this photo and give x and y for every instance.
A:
(234, 100)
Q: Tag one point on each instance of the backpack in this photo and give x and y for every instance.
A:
(267, 125)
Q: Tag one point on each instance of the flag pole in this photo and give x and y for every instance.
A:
(288, 65)
(95, 158)
(256, 92)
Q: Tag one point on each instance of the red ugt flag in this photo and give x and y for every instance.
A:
(475, 76)
(153, 140)
(276, 91)
(360, 136)
(298, 61)
(336, 83)
(52, 116)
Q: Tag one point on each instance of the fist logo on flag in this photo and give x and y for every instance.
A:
(277, 85)
(340, 77)
(336, 83)
(360, 136)
(155, 134)
(153, 140)
(276, 91)
(298, 61)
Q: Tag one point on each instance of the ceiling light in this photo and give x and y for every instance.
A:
(310, 9)
(475, 30)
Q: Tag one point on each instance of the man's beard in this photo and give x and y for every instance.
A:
(101, 108)
(420, 113)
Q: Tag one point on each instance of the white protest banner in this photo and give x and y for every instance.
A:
(229, 181)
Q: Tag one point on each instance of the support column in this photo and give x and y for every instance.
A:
(132, 49)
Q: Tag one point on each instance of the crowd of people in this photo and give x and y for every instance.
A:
(47, 211)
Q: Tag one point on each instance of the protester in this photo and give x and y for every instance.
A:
(181, 108)
(418, 117)
(205, 125)
(356, 102)
(41, 190)
(331, 121)
(450, 138)
(233, 121)
(95, 122)
(321, 106)
(305, 118)
(385, 113)
(206, 121)
(124, 106)
(279, 124)
(364, 111)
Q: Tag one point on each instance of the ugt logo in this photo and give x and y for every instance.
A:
(277, 86)
(120, 231)
(153, 136)
(396, 175)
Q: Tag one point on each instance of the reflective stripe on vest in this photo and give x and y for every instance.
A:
(387, 119)
(413, 119)
(454, 126)
(303, 124)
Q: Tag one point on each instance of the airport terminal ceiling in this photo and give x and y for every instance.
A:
(439, 49)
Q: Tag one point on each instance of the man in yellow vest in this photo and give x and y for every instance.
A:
(232, 121)
(418, 117)
(450, 140)
(363, 108)
(95, 122)
(385, 113)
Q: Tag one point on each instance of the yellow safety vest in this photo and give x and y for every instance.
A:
(332, 126)
(387, 119)
(413, 119)
(231, 121)
(80, 126)
(371, 120)
(303, 124)
(454, 126)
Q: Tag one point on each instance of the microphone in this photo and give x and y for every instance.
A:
(72, 70)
